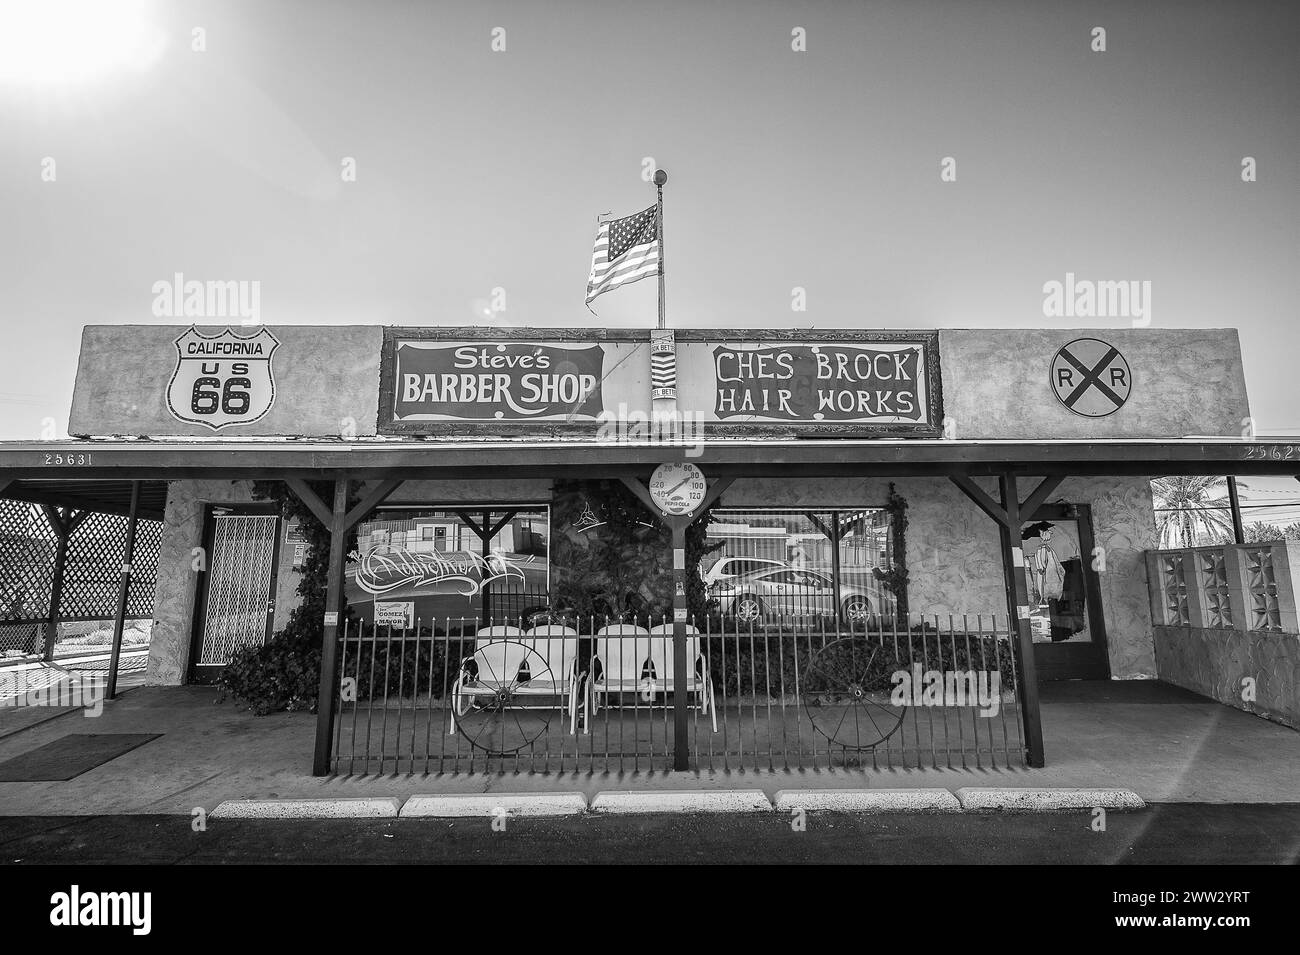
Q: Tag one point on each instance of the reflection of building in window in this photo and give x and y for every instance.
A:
(799, 540)
(424, 555)
(444, 532)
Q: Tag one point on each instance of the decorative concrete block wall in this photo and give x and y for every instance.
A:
(1248, 587)
(1226, 624)
(1252, 670)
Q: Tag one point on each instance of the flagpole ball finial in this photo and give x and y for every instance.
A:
(661, 177)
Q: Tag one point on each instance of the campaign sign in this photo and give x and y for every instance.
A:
(822, 382)
(496, 381)
(395, 613)
(224, 379)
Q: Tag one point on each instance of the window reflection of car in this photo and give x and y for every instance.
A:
(729, 567)
(790, 592)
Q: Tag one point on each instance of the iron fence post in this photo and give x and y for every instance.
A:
(681, 744)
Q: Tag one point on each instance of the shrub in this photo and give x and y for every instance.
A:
(282, 674)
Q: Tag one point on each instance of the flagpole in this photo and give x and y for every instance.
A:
(661, 177)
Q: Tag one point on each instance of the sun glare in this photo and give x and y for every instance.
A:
(65, 42)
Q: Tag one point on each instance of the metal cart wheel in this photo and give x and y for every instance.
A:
(846, 694)
(496, 712)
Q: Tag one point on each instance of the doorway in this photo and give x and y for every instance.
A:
(1065, 612)
(236, 596)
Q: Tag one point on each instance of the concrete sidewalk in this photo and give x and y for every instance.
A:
(1164, 744)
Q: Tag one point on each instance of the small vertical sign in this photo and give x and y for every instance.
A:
(663, 364)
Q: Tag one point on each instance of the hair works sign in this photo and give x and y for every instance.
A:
(878, 382)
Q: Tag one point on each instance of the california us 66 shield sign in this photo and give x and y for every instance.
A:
(222, 379)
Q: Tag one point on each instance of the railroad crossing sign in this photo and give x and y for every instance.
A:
(1091, 377)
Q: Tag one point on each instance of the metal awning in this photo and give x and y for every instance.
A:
(105, 497)
(78, 462)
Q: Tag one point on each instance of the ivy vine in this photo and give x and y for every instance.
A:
(895, 579)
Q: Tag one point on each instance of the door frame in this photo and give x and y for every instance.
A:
(208, 673)
(1077, 661)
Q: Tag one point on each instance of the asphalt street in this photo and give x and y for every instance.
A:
(1182, 833)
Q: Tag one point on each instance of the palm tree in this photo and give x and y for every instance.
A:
(1191, 511)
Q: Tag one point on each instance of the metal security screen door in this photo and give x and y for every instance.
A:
(238, 596)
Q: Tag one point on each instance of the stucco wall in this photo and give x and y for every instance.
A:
(1184, 382)
(326, 381)
(1218, 662)
(169, 647)
(994, 381)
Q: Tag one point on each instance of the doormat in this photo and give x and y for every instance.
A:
(70, 756)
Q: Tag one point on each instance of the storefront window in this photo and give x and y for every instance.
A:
(433, 566)
(809, 568)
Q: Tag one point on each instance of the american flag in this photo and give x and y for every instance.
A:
(626, 250)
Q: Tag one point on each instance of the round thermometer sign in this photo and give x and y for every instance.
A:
(677, 488)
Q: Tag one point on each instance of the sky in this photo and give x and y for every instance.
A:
(479, 169)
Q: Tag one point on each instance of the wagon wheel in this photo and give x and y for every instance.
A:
(846, 693)
(495, 711)
(748, 608)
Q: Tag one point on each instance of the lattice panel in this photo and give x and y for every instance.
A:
(1214, 589)
(1173, 582)
(239, 586)
(27, 548)
(144, 570)
(95, 554)
(1261, 584)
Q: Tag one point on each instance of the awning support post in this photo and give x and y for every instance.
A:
(1010, 514)
(338, 520)
(1234, 502)
(64, 523)
(123, 589)
(677, 524)
(1013, 561)
(329, 640)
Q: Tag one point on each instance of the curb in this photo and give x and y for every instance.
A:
(868, 800)
(490, 804)
(978, 799)
(697, 800)
(353, 808)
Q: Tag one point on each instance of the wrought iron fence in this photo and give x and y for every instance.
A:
(555, 693)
